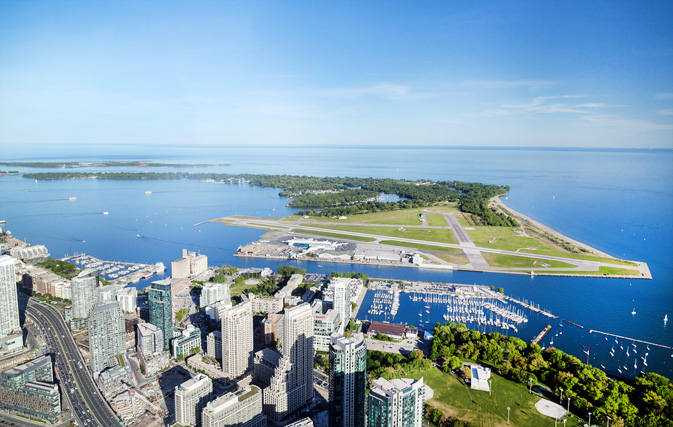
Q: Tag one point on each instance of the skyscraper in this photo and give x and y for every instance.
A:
(84, 293)
(149, 338)
(397, 402)
(237, 339)
(347, 381)
(342, 301)
(161, 308)
(107, 335)
(298, 345)
(190, 399)
(9, 303)
(292, 384)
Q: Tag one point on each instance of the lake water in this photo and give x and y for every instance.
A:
(620, 202)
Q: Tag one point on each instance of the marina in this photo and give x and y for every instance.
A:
(478, 307)
(117, 272)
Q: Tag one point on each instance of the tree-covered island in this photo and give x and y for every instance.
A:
(337, 196)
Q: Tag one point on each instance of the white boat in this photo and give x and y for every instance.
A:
(105, 213)
(148, 192)
(72, 199)
(634, 311)
(665, 319)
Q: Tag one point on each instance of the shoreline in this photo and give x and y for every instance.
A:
(441, 268)
(497, 201)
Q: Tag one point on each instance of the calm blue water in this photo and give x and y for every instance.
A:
(620, 202)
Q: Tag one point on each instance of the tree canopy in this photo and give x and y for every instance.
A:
(646, 401)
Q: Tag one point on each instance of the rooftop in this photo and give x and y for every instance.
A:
(271, 356)
(387, 328)
(193, 383)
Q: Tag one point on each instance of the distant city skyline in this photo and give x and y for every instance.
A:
(572, 74)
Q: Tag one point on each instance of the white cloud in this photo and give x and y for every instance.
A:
(540, 104)
(387, 91)
(621, 124)
(666, 95)
(595, 105)
(497, 84)
(666, 112)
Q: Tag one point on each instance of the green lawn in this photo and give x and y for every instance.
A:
(480, 408)
(334, 235)
(437, 220)
(398, 217)
(453, 257)
(513, 261)
(236, 290)
(505, 238)
(609, 271)
(419, 246)
(428, 234)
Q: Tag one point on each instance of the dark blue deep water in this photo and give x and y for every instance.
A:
(620, 202)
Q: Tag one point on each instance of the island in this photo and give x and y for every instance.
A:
(432, 224)
(103, 164)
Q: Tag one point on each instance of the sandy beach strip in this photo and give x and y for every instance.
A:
(499, 203)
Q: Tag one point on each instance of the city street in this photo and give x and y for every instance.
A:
(89, 406)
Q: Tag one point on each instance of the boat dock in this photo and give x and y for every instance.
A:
(117, 272)
(531, 307)
(573, 323)
(591, 331)
(541, 335)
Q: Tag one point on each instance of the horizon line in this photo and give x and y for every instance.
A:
(353, 146)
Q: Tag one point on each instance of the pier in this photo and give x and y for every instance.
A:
(541, 335)
(531, 307)
(573, 323)
(591, 331)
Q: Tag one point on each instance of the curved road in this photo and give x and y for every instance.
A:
(89, 406)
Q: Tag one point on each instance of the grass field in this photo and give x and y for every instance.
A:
(236, 290)
(505, 238)
(609, 271)
(500, 260)
(427, 234)
(334, 235)
(437, 220)
(453, 257)
(399, 217)
(480, 408)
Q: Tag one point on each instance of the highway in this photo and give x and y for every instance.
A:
(89, 406)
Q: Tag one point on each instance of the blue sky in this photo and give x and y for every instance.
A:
(514, 73)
